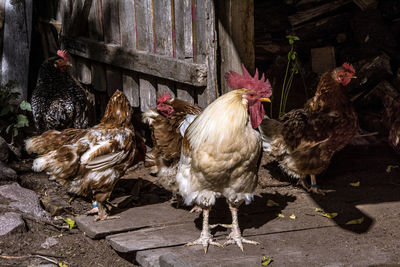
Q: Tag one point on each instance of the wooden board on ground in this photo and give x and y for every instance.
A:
(135, 218)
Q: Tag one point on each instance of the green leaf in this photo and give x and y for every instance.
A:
(293, 55)
(266, 261)
(71, 223)
(15, 132)
(25, 106)
(291, 41)
(22, 121)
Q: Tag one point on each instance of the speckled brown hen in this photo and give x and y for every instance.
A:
(304, 140)
(89, 162)
(168, 122)
(221, 151)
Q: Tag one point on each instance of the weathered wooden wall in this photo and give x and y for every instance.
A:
(143, 47)
(15, 30)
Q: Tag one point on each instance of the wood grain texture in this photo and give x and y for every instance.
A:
(15, 58)
(163, 27)
(185, 92)
(130, 84)
(235, 37)
(147, 91)
(159, 66)
(95, 22)
(83, 71)
(144, 25)
(165, 86)
(127, 23)
(114, 80)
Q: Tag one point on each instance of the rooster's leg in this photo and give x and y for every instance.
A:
(205, 236)
(235, 236)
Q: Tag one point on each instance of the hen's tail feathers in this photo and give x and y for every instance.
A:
(269, 128)
(37, 145)
(149, 115)
(186, 122)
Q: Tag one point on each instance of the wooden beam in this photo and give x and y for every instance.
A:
(156, 65)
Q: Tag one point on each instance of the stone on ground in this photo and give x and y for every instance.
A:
(6, 173)
(11, 222)
(23, 199)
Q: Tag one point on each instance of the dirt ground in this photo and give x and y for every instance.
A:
(365, 164)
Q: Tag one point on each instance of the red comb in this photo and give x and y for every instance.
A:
(237, 81)
(63, 54)
(163, 98)
(348, 67)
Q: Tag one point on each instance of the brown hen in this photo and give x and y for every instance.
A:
(304, 140)
(89, 162)
(168, 122)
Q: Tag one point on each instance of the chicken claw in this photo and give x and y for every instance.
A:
(205, 236)
(205, 240)
(239, 240)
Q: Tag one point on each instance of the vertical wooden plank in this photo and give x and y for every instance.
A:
(130, 80)
(95, 24)
(165, 86)
(236, 36)
(204, 47)
(144, 25)
(163, 27)
(199, 30)
(83, 71)
(66, 8)
(112, 35)
(16, 44)
(95, 31)
(183, 29)
(148, 96)
(130, 83)
(111, 22)
(127, 24)
(99, 81)
(185, 92)
(114, 80)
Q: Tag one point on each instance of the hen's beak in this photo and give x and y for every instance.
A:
(353, 77)
(265, 99)
(68, 64)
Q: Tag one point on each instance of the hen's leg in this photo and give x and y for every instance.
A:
(103, 214)
(205, 236)
(235, 236)
(314, 188)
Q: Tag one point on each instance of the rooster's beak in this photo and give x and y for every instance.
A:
(265, 99)
(68, 64)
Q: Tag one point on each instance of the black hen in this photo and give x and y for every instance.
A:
(59, 101)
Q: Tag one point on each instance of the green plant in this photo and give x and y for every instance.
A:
(292, 67)
(12, 111)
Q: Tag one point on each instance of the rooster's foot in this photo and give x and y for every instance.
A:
(204, 240)
(196, 209)
(235, 238)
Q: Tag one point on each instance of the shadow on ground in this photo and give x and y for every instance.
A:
(365, 164)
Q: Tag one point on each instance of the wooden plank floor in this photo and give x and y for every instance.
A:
(155, 234)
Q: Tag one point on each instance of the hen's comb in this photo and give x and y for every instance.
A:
(348, 67)
(163, 98)
(237, 81)
(63, 54)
